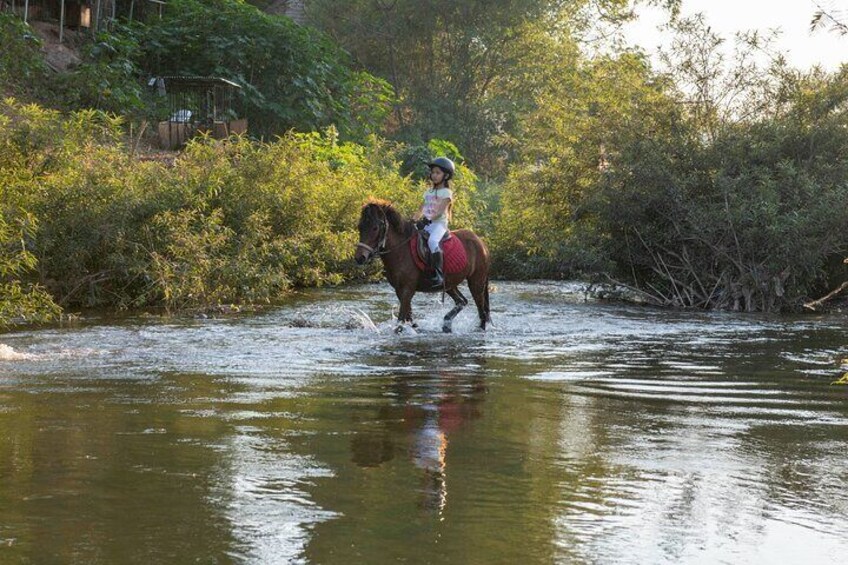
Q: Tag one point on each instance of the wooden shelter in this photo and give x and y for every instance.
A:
(198, 105)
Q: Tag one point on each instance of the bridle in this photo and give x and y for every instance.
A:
(382, 234)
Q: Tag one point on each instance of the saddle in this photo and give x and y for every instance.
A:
(454, 251)
(424, 249)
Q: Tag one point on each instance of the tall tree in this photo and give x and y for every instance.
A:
(463, 70)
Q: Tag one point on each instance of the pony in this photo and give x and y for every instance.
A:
(384, 233)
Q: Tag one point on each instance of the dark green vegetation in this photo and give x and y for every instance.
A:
(719, 184)
(291, 76)
(466, 71)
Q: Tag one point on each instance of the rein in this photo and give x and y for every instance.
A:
(398, 246)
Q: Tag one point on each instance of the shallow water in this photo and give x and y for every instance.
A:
(571, 432)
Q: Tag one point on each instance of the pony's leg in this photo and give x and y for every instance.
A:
(480, 292)
(460, 303)
(404, 294)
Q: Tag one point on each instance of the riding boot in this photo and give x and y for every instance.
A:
(437, 260)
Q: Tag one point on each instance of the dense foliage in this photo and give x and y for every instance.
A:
(465, 71)
(233, 221)
(717, 184)
(106, 78)
(747, 222)
(693, 202)
(291, 76)
(22, 67)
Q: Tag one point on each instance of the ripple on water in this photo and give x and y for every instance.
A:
(622, 434)
(270, 512)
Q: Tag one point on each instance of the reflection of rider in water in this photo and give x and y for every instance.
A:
(428, 453)
(428, 411)
(449, 405)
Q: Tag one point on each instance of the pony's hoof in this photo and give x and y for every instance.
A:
(414, 326)
(447, 329)
(399, 329)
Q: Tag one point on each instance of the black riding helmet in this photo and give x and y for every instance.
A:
(445, 164)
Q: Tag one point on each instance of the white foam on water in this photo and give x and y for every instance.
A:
(9, 354)
(75, 353)
(364, 320)
(335, 317)
(567, 376)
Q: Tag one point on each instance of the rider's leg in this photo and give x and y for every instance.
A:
(436, 230)
(437, 261)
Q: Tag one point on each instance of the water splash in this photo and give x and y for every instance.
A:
(334, 317)
(364, 320)
(9, 354)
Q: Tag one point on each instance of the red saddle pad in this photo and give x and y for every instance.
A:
(454, 250)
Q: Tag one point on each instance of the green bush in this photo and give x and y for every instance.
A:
(292, 77)
(235, 221)
(22, 68)
(629, 186)
(20, 301)
(108, 77)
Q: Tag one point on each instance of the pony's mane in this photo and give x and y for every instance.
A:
(395, 219)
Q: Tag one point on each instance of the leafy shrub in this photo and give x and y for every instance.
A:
(230, 222)
(292, 77)
(20, 301)
(22, 67)
(628, 184)
(108, 78)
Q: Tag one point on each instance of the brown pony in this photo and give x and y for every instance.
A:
(385, 233)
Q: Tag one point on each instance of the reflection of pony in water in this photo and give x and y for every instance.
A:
(385, 233)
(429, 410)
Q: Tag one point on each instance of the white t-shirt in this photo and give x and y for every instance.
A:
(432, 198)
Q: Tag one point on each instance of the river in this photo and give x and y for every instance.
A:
(573, 431)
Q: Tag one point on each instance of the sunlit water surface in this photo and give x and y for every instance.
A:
(571, 432)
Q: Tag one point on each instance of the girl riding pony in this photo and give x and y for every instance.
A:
(434, 214)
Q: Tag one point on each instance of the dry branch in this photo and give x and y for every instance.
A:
(815, 303)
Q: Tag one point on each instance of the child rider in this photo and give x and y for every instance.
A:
(434, 214)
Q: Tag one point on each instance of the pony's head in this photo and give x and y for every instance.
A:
(373, 229)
